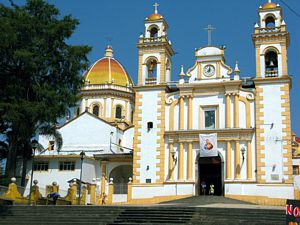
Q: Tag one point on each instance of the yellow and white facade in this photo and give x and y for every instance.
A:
(161, 119)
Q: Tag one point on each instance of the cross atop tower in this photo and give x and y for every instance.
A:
(155, 8)
(209, 30)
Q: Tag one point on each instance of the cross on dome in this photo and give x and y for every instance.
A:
(209, 30)
(155, 8)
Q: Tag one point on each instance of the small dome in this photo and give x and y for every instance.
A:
(209, 51)
(269, 5)
(107, 70)
(155, 16)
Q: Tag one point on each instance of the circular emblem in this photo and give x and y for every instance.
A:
(209, 70)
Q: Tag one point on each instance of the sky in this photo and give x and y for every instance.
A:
(119, 23)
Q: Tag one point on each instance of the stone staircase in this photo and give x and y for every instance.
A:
(97, 215)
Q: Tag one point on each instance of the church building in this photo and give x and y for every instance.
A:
(161, 139)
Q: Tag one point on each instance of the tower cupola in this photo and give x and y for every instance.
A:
(271, 41)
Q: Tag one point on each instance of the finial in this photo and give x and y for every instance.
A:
(109, 51)
(181, 75)
(155, 8)
(236, 69)
(181, 72)
(270, 1)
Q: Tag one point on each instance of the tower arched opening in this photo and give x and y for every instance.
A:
(153, 32)
(270, 21)
(271, 63)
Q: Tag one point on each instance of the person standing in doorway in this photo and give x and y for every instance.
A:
(203, 187)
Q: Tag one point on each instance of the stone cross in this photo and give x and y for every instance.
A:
(155, 8)
(209, 30)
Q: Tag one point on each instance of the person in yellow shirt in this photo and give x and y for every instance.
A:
(211, 189)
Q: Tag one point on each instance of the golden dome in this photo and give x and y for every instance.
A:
(107, 70)
(155, 16)
(269, 5)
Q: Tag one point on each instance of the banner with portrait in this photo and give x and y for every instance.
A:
(208, 145)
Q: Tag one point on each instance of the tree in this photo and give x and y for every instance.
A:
(39, 73)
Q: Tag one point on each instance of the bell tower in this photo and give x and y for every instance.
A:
(155, 51)
(271, 41)
(272, 106)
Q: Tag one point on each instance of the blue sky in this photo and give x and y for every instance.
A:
(119, 23)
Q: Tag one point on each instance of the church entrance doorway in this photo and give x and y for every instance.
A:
(211, 173)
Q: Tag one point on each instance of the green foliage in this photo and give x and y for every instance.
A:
(39, 71)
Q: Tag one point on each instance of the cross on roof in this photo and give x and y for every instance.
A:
(209, 30)
(155, 8)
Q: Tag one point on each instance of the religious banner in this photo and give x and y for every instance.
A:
(208, 145)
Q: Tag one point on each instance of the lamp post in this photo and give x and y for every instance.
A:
(34, 145)
(111, 134)
(243, 150)
(82, 154)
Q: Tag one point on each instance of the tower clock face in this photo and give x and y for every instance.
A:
(209, 70)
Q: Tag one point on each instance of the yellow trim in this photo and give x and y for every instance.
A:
(190, 112)
(257, 55)
(190, 161)
(181, 162)
(136, 142)
(249, 161)
(104, 108)
(237, 160)
(125, 110)
(110, 193)
(236, 111)
(171, 162)
(261, 200)
(112, 109)
(162, 68)
(171, 117)
(284, 59)
(140, 70)
(92, 194)
(181, 113)
(248, 112)
(200, 71)
(103, 177)
(228, 111)
(129, 192)
(218, 69)
(228, 160)
(160, 134)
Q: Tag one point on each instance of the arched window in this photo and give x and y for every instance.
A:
(153, 32)
(119, 112)
(271, 63)
(152, 68)
(96, 110)
(270, 22)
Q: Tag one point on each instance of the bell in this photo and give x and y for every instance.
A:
(272, 64)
